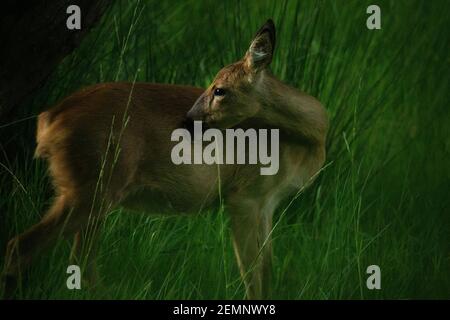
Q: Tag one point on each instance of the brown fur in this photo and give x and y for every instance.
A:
(109, 145)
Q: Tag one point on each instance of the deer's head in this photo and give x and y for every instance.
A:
(234, 94)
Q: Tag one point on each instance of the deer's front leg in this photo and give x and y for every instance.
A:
(252, 245)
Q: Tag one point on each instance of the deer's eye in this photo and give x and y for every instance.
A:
(219, 92)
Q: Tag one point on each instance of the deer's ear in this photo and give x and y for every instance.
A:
(259, 54)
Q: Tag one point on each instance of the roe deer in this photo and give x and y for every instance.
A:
(109, 145)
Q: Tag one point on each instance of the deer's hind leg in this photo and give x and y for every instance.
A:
(62, 220)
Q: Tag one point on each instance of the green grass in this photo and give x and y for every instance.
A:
(383, 198)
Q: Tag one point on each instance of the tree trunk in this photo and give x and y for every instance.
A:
(34, 39)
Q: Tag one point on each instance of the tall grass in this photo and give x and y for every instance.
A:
(382, 198)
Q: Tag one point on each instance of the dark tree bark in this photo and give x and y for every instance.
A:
(33, 40)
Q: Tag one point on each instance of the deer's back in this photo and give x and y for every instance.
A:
(120, 130)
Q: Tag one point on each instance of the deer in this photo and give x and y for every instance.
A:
(108, 146)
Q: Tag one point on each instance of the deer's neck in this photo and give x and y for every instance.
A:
(292, 111)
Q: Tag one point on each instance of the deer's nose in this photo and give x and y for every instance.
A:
(196, 112)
